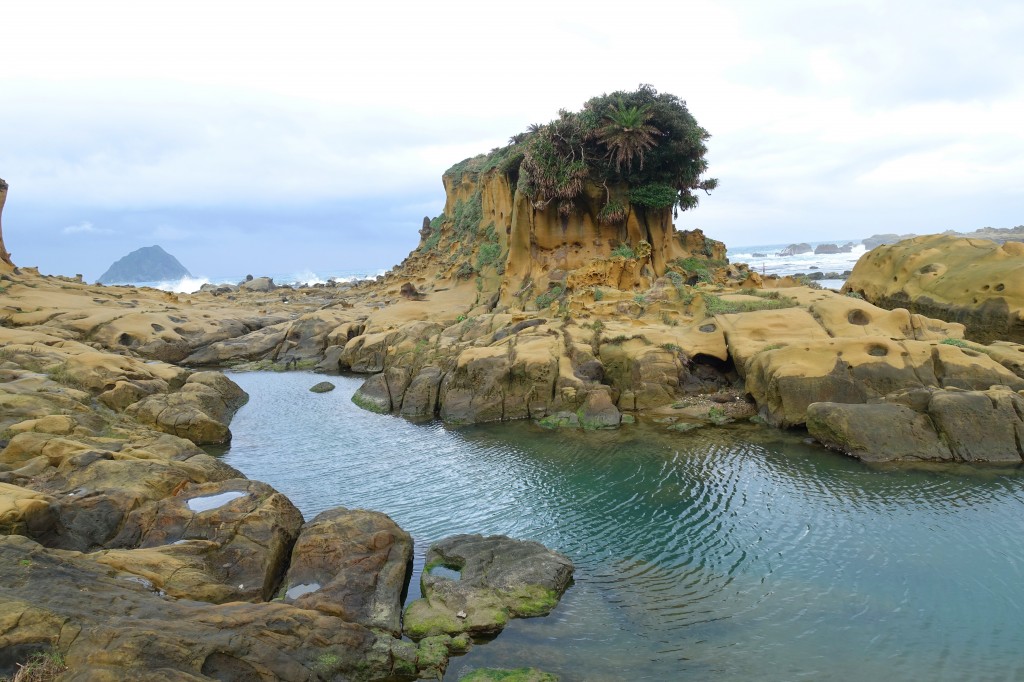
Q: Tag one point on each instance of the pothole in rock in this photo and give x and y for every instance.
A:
(446, 572)
(208, 502)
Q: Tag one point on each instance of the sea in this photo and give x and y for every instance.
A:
(771, 263)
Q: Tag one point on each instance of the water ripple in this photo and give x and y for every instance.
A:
(724, 553)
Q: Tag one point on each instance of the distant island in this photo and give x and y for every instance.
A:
(148, 264)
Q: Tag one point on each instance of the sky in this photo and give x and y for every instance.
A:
(257, 137)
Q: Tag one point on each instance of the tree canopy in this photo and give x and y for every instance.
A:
(644, 140)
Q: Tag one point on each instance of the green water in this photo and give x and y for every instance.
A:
(722, 554)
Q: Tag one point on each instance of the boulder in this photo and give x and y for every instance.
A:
(199, 411)
(110, 626)
(322, 387)
(796, 249)
(354, 564)
(936, 424)
(474, 584)
(258, 284)
(976, 282)
(253, 525)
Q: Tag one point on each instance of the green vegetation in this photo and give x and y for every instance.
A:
(855, 294)
(642, 139)
(468, 215)
(465, 271)
(550, 296)
(699, 267)
(959, 343)
(42, 666)
(612, 213)
(598, 294)
(720, 306)
(655, 195)
(624, 251)
(640, 298)
(488, 255)
(508, 675)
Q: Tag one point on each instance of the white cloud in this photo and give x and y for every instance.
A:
(85, 227)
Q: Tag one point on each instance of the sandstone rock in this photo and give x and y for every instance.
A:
(498, 578)
(199, 411)
(972, 281)
(420, 399)
(115, 626)
(785, 381)
(942, 425)
(25, 512)
(598, 412)
(796, 249)
(354, 564)
(253, 525)
(259, 284)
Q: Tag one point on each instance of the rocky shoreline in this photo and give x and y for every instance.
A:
(131, 551)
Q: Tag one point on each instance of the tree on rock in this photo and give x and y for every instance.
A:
(645, 141)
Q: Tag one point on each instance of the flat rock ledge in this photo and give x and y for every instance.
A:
(943, 425)
(475, 584)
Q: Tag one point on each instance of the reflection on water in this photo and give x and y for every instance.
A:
(717, 554)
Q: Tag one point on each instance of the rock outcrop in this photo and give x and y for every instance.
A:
(5, 257)
(926, 424)
(474, 584)
(354, 564)
(976, 282)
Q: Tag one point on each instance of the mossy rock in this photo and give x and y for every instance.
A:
(322, 387)
(509, 675)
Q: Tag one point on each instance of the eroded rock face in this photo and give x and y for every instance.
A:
(252, 525)
(115, 626)
(200, 411)
(935, 425)
(972, 281)
(499, 578)
(354, 564)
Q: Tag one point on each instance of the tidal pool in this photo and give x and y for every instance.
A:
(735, 553)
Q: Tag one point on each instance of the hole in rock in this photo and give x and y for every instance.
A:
(858, 316)
(447, 572)
(878, 351)
(208, 502)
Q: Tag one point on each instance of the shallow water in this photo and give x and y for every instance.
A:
(724, 554)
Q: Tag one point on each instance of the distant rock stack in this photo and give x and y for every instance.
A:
(5, 257)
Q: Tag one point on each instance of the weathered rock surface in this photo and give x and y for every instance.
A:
(253, 526)
(938, 425)
(200, 411)
(976, 282)
(354, 564)
(499, 578)
(114, 626)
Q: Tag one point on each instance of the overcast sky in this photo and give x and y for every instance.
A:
(281, 137)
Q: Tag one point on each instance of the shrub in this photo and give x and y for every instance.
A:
(488, 255)
(720, 306)
(612, 213)
(655, 195)
(550, 296)
(598, 294)
(959, 343)
(624, 251)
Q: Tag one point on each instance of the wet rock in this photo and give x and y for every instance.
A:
(499, 578)
(253, 525)
(938, 425)
(322, 387)
(114, 626)
(354, 564)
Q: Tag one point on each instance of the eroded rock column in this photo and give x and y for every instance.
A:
(5, 257)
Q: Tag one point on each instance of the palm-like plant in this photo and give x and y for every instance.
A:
(627, 134)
